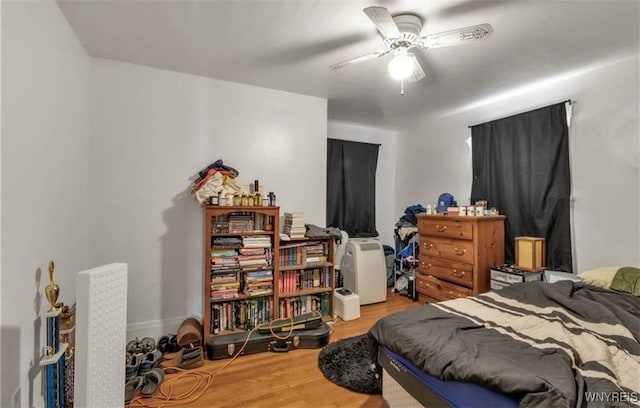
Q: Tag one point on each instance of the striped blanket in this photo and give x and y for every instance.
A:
(549, 345)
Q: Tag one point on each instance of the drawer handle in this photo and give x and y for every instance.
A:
(459, 252)
(441, 229)
(458, 274)
(454, 295)
(428, 246)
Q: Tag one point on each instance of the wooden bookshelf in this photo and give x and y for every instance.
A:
(293, 263)
(223, 241)
(310, 287)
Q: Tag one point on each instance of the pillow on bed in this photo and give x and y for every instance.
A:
(627, 279)
(600, 277)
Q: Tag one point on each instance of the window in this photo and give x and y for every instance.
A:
(351, 187)
(521, 167)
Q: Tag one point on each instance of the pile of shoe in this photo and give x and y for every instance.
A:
(147, 364)
(191, 357)
(142, 373)
(183, 350)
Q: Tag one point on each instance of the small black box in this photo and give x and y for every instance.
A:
(510, 275)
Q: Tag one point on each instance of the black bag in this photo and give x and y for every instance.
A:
(228, 345)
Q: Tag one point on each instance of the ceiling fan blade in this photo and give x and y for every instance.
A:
(361, 58)
(383, 21)
(417, 73)
(456, 37)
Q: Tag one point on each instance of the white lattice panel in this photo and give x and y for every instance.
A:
(101, 335)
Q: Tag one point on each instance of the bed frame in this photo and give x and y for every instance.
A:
(403, 385)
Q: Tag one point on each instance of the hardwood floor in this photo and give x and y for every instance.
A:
(291, 379)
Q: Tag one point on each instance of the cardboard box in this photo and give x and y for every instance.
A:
(530, 253)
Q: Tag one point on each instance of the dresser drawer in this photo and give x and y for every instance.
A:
(438, 289)
(458, 272)
(455, 250)
(446, 229)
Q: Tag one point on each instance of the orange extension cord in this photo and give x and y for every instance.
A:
(201, 379)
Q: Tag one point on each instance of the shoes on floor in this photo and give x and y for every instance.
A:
(146, 345)
(171, 359)
(192, 358)
(188, 358)
(189, 333)
(132, 387)
(168, 344)
(133, 365)
(150, 360)
(152, 380)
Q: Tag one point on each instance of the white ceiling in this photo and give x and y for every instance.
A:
(288, 45)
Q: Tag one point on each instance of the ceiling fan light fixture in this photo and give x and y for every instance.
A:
(401, 66)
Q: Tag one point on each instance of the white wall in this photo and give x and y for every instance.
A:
(387, 213)
(45, 145)
(151, 132)
(604, 149)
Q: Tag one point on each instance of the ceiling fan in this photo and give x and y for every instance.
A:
(402, 33)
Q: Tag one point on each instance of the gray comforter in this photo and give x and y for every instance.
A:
(550, 345)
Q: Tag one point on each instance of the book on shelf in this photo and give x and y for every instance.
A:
(299, 305)
(224, 296)
(221, 260)
(223, 252)
(258, 292)
(259, 274)
(250, 262)
(294, 214)
(227, 241)
(257, 241)
(316, 259)
(252, 251)
(217, 281)
(294, 225)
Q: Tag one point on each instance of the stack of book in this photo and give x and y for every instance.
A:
(224, 288)
(251, 259)
(294, 224)
(315, 254)
(258, 283)
(240, 223)
(224, 269)
(256, 241)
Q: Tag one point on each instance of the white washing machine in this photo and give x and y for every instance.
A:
(364, 270)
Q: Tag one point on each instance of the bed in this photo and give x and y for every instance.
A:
(536, 344)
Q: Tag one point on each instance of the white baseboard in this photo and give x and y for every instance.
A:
(155, 328)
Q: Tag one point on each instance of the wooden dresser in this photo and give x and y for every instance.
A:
(456, 254)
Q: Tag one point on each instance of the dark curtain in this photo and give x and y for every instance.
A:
(351, 187)
(521, 167)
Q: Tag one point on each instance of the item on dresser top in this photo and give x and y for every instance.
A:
(445, 200)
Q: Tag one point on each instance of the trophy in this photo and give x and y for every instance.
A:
(53, 362)
(52, 290)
